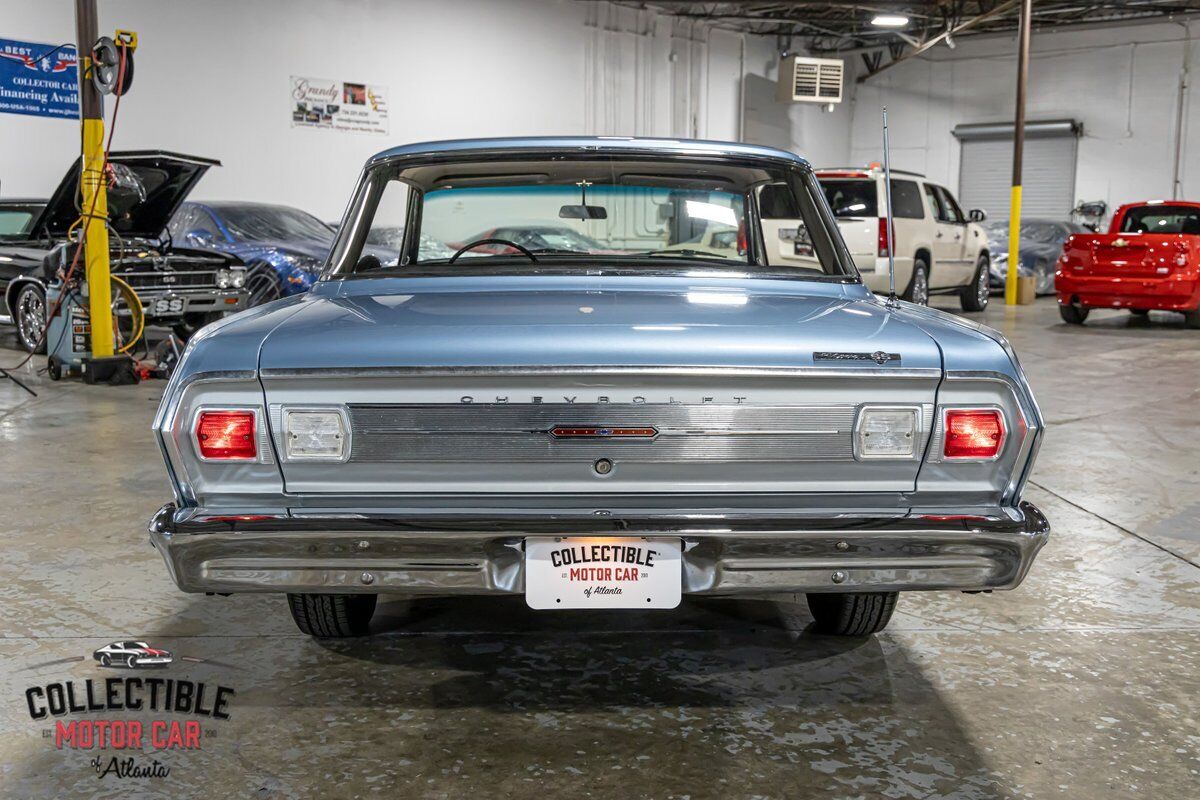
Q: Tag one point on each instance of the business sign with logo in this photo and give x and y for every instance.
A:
(339, 105)
(37, 79)
(131, 717)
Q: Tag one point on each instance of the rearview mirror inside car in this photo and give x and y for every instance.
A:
(583, 212)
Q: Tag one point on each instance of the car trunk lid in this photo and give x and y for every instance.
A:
(1138, 255)
(526, 385)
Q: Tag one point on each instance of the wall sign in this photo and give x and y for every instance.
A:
(31, 84)
(339, 105)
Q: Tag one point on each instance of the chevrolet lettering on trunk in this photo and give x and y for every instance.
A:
(612, 414)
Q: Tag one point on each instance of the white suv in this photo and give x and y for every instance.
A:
(939, 250)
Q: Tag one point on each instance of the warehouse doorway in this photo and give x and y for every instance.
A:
(985, 172)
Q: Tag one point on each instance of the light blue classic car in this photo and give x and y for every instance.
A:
(702, 398)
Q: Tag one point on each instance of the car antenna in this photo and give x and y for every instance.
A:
(891, 226)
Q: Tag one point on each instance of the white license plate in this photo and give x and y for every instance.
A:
(602, 572)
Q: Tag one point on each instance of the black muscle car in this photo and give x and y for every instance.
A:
(180, 287)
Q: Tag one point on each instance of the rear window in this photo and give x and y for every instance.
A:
(906, 200)
(1162, 219)
(851, 198)
(856, 198)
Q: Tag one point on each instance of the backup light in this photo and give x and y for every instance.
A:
(974, 433)
(886, 433)
(314, 435)
(226, 435)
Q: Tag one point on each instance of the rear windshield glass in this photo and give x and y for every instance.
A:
(851, 198)
(1162, 219)
(569, 212)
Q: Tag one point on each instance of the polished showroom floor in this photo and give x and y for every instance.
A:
(1082, 683)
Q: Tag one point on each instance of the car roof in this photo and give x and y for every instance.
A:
(603, 145)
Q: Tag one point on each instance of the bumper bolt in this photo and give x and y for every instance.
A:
(843, 546)
(364, 544)
(367, 578)
(839, 577)
(603, 466)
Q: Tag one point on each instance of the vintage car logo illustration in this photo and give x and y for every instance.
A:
(602, 432)
(132, 654)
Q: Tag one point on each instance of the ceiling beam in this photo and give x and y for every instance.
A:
(962, 26)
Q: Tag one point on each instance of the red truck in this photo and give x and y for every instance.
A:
(1149, 259)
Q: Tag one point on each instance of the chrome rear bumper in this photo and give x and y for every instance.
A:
(453, 554)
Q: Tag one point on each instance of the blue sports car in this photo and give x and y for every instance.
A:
(284, 248)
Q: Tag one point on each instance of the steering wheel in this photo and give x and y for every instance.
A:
(473, 245)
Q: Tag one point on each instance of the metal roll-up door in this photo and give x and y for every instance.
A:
(985, 174)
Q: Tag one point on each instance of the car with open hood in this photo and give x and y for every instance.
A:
(181, 287)
(612, 426)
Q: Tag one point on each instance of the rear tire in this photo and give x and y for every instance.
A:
(852, 614)
(333, 616)
(918, 285)
(974, 297)
(1072, 314)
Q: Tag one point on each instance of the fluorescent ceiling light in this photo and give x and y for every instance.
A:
(889, 21)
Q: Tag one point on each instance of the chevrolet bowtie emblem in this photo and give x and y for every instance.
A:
(601, 432)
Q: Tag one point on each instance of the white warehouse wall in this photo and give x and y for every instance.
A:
(1121, 83)
(454, 69)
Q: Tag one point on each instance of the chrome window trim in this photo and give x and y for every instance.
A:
(918, 438)
(347, 433)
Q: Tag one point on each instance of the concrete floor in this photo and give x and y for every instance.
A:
(1083, 683)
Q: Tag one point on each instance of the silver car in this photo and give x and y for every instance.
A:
(602, 427)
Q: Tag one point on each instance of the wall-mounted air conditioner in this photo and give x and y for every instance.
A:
(809, 80)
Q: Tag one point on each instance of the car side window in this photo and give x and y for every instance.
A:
(906, 200)
(181, 222)
(202, 221)
(950, 206)
(935, 205)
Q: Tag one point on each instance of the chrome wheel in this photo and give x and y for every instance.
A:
(920, 287)
(1045, 278)
(263, 285)
(31, 317)
(983, 289)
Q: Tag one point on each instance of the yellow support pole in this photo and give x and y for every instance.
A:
(1014, 247)
(93, 185)
(95, 198)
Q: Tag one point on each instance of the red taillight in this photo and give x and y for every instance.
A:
(226, 435)
(883, 237)
(973, 433)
